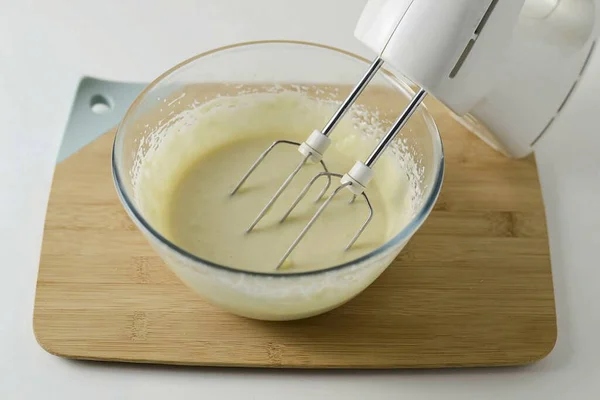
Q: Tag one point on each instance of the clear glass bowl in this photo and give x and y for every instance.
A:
(322, 71)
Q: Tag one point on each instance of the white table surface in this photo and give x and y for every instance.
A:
(46, 46)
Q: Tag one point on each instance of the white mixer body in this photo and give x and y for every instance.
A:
(450, 48)
(550, 63)
(505, 69)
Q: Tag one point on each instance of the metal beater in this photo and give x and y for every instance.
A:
(355, 180)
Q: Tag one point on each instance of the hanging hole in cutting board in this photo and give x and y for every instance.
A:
(100, 104)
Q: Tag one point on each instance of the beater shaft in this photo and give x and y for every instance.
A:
(356, 91)
(396, 127)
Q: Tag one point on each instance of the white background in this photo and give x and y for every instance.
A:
(46, 46)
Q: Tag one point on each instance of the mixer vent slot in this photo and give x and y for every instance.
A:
(462, 58)
(469, 47)
(486, 16)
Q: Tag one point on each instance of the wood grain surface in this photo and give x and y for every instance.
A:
(472, 288)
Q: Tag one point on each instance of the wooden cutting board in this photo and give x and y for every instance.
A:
(472, 288)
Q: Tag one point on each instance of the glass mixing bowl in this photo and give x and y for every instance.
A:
(270, 66)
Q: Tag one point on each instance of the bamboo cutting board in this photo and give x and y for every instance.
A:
(472, 288)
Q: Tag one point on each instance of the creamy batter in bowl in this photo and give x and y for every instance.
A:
(190, 135)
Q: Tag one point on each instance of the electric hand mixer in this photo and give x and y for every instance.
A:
(454, 50)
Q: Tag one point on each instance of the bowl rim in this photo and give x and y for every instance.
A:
(403, 235)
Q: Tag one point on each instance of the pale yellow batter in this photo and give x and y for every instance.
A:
(183, 185)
